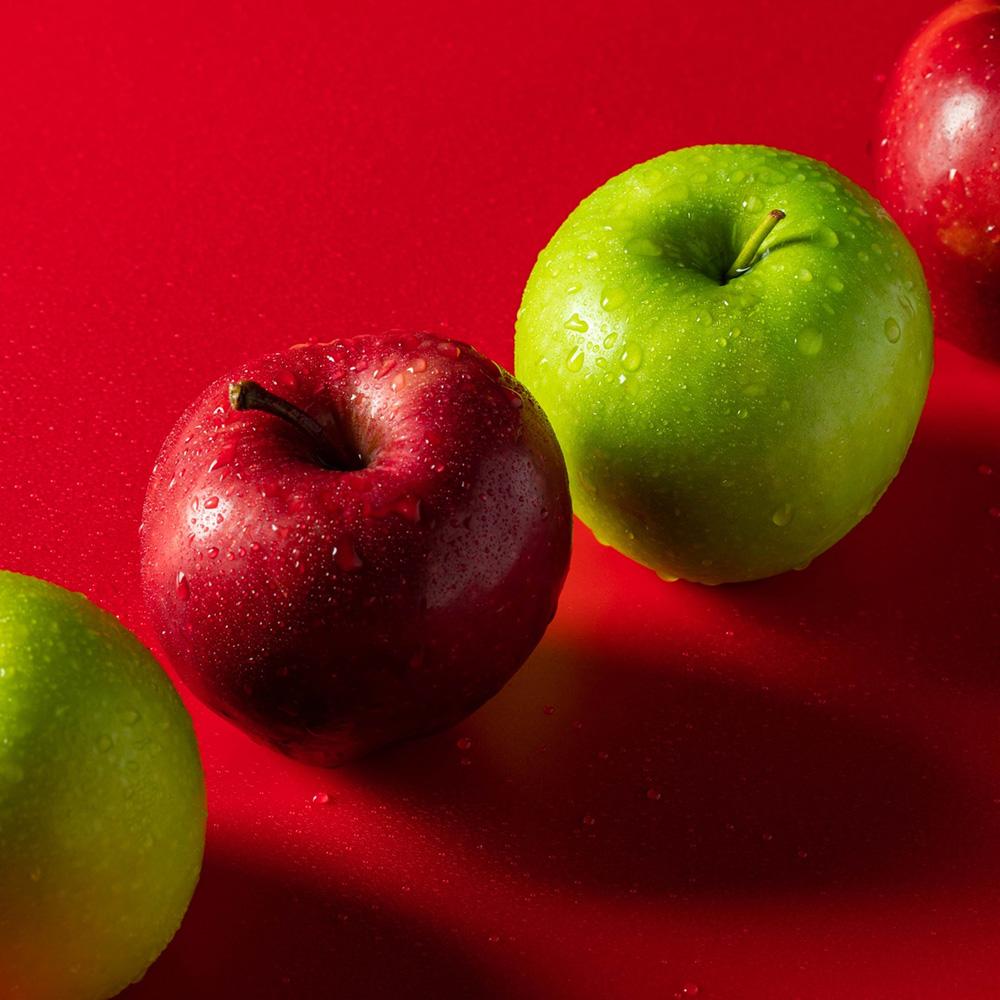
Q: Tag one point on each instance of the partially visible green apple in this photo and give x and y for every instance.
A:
(727, 419)
(102, 799)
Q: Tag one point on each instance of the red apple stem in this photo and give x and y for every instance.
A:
(748, 255)
(333, 454)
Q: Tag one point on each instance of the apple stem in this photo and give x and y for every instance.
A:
(251, 395)
(748, 254)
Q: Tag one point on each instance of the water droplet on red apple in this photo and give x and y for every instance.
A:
(588, 820)
(346, 556)
(212, 553)
(463, 743)
(320, 799)
(211, 503)
(183, 587)
(653, 794)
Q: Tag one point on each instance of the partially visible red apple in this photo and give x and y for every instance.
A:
(352, 543)
(939, 166)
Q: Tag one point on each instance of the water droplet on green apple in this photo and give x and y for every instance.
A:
(834, 284)
(892, 330)
(574, 362)
(609, 341)
(809, 342)
(804, 274)
(632, 357)
(612, 298)
(577, 324)
(826, 237)
(783, 515)
(104, 743)
(754, 390)
(643, 247)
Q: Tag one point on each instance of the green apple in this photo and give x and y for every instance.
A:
(733, 344)
(102, 799)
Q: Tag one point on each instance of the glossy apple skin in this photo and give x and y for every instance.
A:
(727, 431)
(330, 613)
(938, 166)
(102, 799)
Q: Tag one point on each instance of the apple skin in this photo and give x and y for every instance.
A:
(102, 799)
(329, 613)
(724, 432)
(938, 166)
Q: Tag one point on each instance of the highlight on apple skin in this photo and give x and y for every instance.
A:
(938, 166)
(733, 344)
(352, 543)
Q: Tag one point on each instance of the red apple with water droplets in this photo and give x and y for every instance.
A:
(939, 166)
(356, 542)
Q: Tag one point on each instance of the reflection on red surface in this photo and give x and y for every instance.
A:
(775, 790)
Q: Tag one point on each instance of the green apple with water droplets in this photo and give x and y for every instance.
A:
(102, 799)
(733, 344)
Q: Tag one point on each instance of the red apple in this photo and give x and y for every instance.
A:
(352, 543)
(939, 166)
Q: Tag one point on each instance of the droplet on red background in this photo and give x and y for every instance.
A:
(549, 709)
(183, 587)
(463, 743)
(589, 820)
(320, 799)
(654, 794)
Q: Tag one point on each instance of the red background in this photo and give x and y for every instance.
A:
(785, 789)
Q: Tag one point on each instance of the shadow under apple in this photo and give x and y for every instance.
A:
(261, 935)
(605, 769)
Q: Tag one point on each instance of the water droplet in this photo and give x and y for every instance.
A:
(804, 274)
(104, 743)
(809, 342)
(131, 716)
(577, 324)
(321, 798)
(346, 557)
(834, 284)
(631, 357)
(654, 794)
(419, 365)
(612, 298)
(643, 247)
(212, 553)
(549, 710)
(754, 390)
(825, 236)
(588, 820)
(783, 515)
(463, 743)
(183, 587)
(575, 360)
(983, 470)
(892, 330)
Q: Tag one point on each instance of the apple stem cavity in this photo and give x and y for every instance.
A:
(332, 454)
(748, 255)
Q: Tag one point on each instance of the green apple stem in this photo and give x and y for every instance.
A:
(333, 454)
(751, 248)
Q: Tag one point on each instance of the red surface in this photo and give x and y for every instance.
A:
(777, 790)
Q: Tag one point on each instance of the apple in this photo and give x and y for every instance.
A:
(352, 543)
(102, 799)
(733, 344)
(938, 166)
